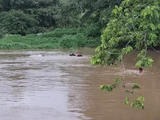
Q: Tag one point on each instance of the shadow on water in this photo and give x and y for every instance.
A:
(51, 85)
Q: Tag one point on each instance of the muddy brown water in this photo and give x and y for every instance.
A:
(50, 85)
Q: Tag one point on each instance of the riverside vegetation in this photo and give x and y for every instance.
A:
(58, 38)
(63, 24)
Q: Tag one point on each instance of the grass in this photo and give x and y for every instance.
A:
(58, 38)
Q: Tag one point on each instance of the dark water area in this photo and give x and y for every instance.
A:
(51, 85)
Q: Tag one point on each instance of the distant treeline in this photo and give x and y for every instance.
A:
(36, 16)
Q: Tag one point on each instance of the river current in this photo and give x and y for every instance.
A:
(51, 85)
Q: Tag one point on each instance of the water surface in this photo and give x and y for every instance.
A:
(50, 85)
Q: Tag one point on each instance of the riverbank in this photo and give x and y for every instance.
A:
(58, 38)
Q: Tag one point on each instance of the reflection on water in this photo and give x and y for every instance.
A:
(45, 85)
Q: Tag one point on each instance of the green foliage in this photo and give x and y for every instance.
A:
(127, 101)
(135, 86)
(117, 80)
(131, 91)
(127, 50)
(143, 61)
(25, 4)
(19, 4)
(138, 103)
(93, 30)
(73, 41)
(1, 5)
(45, 17)
(110, 88)
(87, 13)
(58, 38)
(60, 32)
(72, 37)
(133, 25)
(27, 42)
(28, 16)
(36, 16)
(17, 22)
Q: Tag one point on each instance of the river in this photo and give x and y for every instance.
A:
(51, 85)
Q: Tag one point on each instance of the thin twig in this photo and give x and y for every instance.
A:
(113, 53)
(133, 51)
(123, 68)
(155, 49)
(122, 63)
(128, 43)
(145, 44)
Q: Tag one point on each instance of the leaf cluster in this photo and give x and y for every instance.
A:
(134, 25)
(138, 103)
(143, 60)
(110, 88)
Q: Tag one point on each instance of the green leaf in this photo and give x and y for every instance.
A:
(117, 80)
(127, 101)
(136, 86)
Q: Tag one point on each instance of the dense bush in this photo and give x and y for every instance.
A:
(17, 22)
(59, 32)
(58, 38)
(27, 16)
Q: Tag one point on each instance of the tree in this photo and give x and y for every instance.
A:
(45, 17)
(17, 22)
(91, 14)
(134, 25)
(27, 16)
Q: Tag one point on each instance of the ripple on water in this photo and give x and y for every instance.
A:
(57, 86)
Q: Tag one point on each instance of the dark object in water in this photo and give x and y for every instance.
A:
(79, 54)
(140, 70)
(72, 54)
